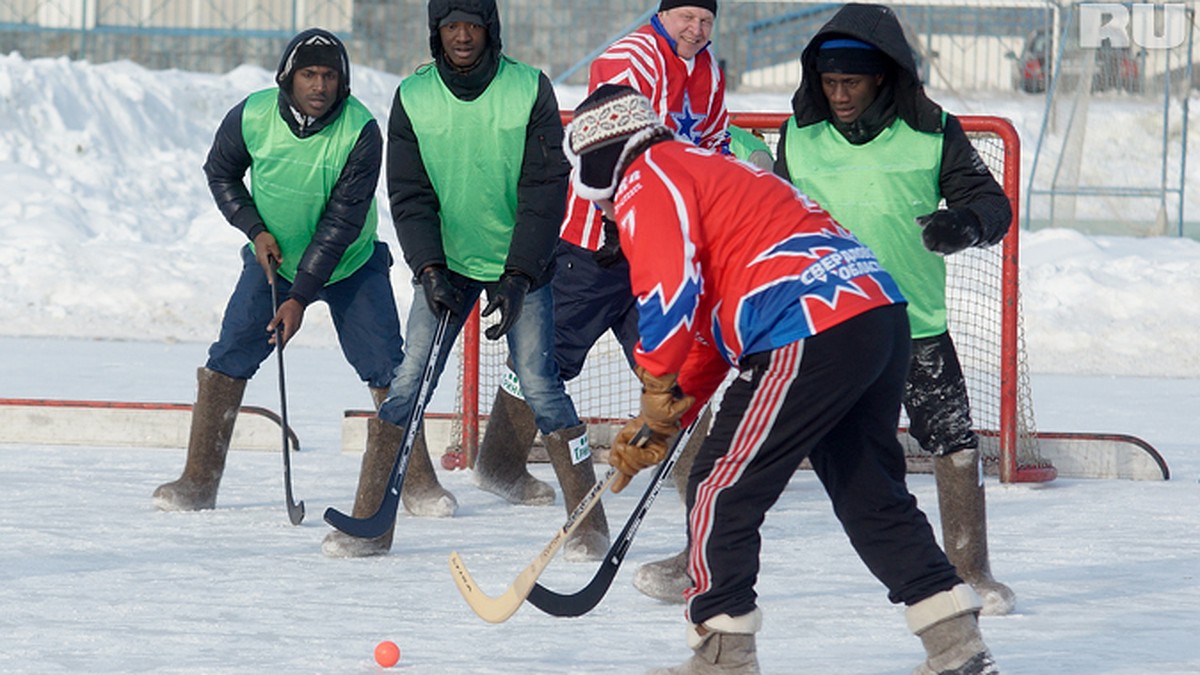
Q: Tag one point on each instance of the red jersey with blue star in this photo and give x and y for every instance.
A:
(688, 96)
(728, 260)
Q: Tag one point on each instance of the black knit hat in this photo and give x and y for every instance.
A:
(314, 47)
(459, 16)
(710, 5)
(317, 55)
(851, 57)
(605, 125)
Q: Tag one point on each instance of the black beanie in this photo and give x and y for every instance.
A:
(850, 57)
(317, 55)
(601, 129)
(317, 48)
(710, 5)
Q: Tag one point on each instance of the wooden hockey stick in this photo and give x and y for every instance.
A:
(501, 607)
(585, 599)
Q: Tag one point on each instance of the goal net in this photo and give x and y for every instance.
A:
(984, 314)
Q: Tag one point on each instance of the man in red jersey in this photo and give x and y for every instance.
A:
(669, 60)
(734, 268)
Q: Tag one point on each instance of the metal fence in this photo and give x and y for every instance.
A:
(962, 45)
(1074, 180)
(218, 35)
(966, 46)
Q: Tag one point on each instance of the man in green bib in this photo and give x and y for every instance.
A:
(477, 181)
(313, 154)
(880, 156)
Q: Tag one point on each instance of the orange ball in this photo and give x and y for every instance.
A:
(387, 654)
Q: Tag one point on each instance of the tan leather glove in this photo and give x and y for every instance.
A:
(663, 404)
(635, 448)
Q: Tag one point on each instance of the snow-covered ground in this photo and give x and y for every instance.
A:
(116, 268)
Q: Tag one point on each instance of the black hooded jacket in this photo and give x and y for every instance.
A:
(541, 190)
(965, 181)
(348, 205)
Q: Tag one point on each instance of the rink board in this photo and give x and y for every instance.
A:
(1102, 455)
(441, 433)
(127, 424)
(1073, 455)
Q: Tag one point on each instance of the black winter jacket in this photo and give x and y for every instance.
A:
(349, 202)
(965, 181)
(542, 187)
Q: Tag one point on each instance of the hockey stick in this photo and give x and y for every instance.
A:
(295, 509)
(385, 516)
(585, 599)
(501, 607)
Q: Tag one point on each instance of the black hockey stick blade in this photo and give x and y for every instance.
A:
(295, 510)
(385, 516)
(499, 608)
(585, 599)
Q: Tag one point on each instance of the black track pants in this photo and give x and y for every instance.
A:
(835, 398)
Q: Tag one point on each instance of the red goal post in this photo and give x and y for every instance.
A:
(983, 295)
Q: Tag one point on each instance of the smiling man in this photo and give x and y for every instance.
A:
(669, 60)
(313, 155)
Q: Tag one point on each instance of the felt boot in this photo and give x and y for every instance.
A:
(959, 477)
(383, 444)
(500, 467)
(948, 625)
(218, 398)
(590, 540)
(723, 645)
(422, 494)
(378, 396)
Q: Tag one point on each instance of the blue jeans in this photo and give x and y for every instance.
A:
(530, 344)
(362, 306)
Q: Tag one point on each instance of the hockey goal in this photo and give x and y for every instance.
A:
(984, 315)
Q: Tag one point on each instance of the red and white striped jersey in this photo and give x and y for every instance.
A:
(688, 96)
(728, 260)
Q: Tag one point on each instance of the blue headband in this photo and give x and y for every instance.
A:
(848, 43)
(850, 56)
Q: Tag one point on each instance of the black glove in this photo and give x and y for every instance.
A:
(949, 231)
(440, 293)
(508, 296)
(609, 253)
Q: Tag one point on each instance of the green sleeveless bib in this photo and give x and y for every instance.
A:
(473, 151)
(291, 178)
(876, 190)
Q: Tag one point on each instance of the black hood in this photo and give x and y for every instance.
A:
(283, 74)
(876, 25)
(439, 9)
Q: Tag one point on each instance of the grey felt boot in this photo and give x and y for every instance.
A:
(218, 398)
(590, 540)
(948, 625)
(500, 467)
(668, 578)
(383, 444)
(723, 645)
(959, 477)
(378, 396)
(420, 498)
(422, 494)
